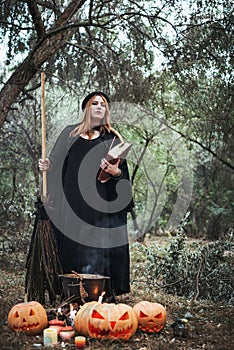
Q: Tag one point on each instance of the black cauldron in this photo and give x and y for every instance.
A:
(93, 285)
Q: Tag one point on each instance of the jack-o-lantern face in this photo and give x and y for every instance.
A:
(30, 318)
(106, 321)
(151, 316)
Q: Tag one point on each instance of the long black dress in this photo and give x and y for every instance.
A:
(90, 217)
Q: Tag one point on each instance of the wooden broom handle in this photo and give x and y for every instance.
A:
(43, 134)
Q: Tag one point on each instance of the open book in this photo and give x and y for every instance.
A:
(119, 151)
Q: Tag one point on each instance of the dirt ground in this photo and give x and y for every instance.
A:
(209, 326)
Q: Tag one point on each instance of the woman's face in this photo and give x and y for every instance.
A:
(97, 109)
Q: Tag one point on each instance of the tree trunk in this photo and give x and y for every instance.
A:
(45, 48)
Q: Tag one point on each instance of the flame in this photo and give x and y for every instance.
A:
(95, 291)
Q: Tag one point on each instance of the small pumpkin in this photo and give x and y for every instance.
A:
(151, 316)
(57, 324)
(29, 317)
(107, 321)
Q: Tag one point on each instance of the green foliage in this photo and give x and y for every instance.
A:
(19, 152)
(212, 203)
(174, 57)
(196, 271)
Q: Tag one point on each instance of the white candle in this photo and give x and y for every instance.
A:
(100, 298)
(50, 336)
(72, 314)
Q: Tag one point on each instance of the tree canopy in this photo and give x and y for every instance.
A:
(172, 57)
(98, 39)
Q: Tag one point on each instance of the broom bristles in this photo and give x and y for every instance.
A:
(43, 264)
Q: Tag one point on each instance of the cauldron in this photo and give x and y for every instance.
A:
(94, 285)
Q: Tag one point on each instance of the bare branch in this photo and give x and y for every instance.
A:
(206, 148)
(13, 25)
(46, 4)
(44, 49)
(197, 279)
(36, 17)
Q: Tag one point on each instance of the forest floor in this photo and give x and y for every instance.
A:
(210, 325)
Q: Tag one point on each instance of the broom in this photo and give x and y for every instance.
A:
(43, 265)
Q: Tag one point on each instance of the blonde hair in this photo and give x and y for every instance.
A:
(85, 125)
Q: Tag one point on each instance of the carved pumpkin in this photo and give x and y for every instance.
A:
(30, 318)
(106, 321)
(151, 316)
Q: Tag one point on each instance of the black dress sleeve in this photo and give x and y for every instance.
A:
(60, 149)
(57, 158)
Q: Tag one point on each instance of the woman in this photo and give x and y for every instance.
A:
(90, 216)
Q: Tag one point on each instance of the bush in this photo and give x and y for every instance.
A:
(193, 270)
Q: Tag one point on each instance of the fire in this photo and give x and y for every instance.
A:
(95, 290)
